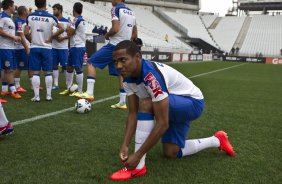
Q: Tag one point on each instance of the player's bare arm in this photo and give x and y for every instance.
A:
(130, 126)
(6, 35)
(115, 28)
(134, 33)
(161, 115)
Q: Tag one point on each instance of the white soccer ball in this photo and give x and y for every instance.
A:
(82, 106)
(73, 88)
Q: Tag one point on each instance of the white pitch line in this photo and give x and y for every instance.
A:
(103, 100)
(214, 71)
(58, 112)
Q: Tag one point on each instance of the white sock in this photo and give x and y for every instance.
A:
(69, 79)
(196, 145)
(4, 87)
(122, 97)
(48, 82)
(90, 85)
(3, 118)
(145, 124)
(56, 77)
(17, 82)
(79, 80)
(36, 84)
(12, 88)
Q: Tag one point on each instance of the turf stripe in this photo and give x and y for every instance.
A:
(106, 99)
(214, 71)
(58, 112)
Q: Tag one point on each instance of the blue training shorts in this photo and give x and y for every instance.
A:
(22, 59)
(103, 58)
(76, 57)
(7, 58)
(182, 110)
(41, 58)
(60, 56)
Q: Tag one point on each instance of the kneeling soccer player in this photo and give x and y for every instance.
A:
(162, 103)
(5, 127)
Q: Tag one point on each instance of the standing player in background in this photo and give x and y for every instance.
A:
(162, 104)
(5, 126)
(60, 46)
(123, 28)
(40, 23)
(22, 49)
(76, 32)
(1, 100)
(7, 49)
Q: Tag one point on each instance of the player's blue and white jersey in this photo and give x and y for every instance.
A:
(79, 38)
(20, 24)
(41, 25)
(127, 20)
(157, 80)
(8, 26)
(64, 44)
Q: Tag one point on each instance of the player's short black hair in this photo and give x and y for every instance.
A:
(7, 3)
(21, 10)
(40, 3)
(77, 7)
(58, 7)
(131, 47)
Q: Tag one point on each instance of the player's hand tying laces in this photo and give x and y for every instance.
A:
(123, 154)
(132, 161)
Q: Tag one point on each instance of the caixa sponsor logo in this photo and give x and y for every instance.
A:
(277, 61)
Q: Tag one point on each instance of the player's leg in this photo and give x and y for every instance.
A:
(22, 64)
(69, 72)
(63, 60)
(55, 53)
(122, 94)
(5, 126)
(182, 111)
(47, 66)
(145, 124)
(79, 54)
(35, 67)
(1, 100)
(10, 66)
(99, 59)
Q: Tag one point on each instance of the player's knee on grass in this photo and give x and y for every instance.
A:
(146, 105)
(170, 150)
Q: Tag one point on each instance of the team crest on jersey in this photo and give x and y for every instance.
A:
(154, 84)
(7, 64)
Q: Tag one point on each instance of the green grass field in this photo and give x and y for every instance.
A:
(245, 101)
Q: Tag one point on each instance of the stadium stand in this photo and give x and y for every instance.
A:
(208, 20)
(264, 36)
(226, 32)
(194, 25)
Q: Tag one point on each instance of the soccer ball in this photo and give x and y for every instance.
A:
(73, 88)
(82, 106)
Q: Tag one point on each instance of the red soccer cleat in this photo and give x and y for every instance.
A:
(224, 143)
(21, 90)
(16, 95)
(6, 130)
(5, 93)
(3, 101)
(126, 174)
